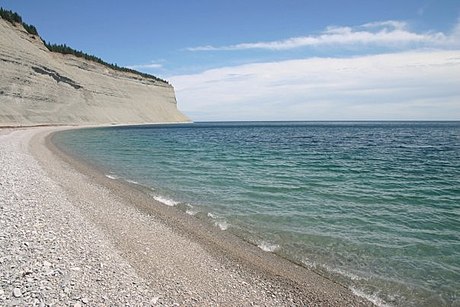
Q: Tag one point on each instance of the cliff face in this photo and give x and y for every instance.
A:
(39, 87)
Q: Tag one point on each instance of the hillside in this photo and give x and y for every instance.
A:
(40, 87)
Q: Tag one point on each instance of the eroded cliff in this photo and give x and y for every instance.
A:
(39, 87)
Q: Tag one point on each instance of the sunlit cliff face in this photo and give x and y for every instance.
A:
(41, 87)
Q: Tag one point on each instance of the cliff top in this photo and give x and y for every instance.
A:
(15, 19)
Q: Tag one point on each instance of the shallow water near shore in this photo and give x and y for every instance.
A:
(373, 205)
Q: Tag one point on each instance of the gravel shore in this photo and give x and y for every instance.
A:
(70, 236)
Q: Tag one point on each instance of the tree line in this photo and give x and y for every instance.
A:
(64, 49)
(14, 18)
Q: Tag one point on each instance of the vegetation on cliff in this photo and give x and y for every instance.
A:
(14, 18)
(64, 49)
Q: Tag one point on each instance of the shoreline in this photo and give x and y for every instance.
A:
(187, 261)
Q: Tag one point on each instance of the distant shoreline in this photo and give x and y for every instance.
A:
(78, 126)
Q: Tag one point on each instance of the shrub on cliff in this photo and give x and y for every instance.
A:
(64, 49)
(30, 28)
(14, 17)
(11, 16)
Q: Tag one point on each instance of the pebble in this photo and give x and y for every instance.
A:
(17, 292)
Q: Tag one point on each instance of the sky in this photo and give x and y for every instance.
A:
(275, 60)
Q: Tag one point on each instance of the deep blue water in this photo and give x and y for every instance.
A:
(374, 205)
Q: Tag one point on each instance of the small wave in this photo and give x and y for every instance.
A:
(166, 201)
(309, 264)
(268, 247)
(113, 177)
(223, 225)
(343, 273)
(132, 181)
(370, 297)
(191, 212)
(314, 265)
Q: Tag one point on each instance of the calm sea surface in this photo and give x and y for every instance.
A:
(373, 205)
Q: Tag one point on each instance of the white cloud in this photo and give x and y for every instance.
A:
(394, 24)
(407, 85)
(384, 33)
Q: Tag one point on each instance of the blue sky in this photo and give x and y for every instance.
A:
(276, 60)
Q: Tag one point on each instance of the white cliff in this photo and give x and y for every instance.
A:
(39, 87)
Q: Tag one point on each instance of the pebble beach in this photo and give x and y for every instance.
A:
(70, 236)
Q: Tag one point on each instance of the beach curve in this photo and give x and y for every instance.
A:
(127, 247)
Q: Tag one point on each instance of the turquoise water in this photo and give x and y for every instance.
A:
(375, 206)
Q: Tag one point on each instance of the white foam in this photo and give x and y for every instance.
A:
(166, 201)
(343, 273)
(314, 265)
(113, 177)
(132, 181)
(191, 212)
(309, 263)
(223, 225)
(268, 247)
(370, 297)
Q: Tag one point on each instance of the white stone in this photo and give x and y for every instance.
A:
(17, 292)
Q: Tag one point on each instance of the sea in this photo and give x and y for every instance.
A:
(374, 206)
